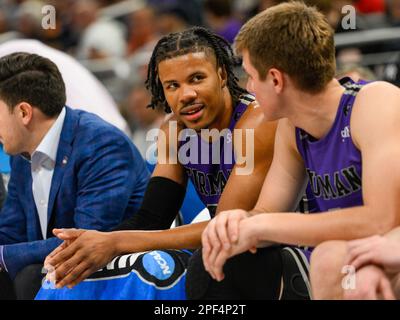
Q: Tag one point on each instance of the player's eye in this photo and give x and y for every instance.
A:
(197, 78)
(171, 86)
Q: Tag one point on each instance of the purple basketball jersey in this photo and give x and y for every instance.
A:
(210, 164)
(333, 163)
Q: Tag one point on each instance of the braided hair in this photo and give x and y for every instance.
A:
(195, 39)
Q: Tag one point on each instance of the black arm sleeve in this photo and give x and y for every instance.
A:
(161, 203)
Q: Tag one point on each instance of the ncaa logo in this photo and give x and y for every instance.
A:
(159, 264)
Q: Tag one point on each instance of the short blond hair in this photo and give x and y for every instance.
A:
(293, 38)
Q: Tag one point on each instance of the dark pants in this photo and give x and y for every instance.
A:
(25, 285)
(258, 276)
(247, 276)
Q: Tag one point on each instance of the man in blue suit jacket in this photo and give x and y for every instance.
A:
(69, 169)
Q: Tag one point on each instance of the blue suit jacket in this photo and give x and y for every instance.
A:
(99, 180)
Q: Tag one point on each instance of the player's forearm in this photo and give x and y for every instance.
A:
(185, 237)
(312, 229)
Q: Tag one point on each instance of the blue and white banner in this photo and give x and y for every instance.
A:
(153, 275)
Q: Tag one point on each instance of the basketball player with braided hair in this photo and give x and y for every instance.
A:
(190, 75)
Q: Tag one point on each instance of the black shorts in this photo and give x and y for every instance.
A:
(253, 276)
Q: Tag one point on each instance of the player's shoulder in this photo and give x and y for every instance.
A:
(374, 111)
(377, 89)
(376, 99)
(252, 115)
(378, 85)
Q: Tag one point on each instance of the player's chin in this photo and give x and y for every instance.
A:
(197, 126)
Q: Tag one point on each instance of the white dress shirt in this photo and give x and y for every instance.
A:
(43, 161)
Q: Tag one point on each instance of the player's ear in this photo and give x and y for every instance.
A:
(223, 76)
(277, 79)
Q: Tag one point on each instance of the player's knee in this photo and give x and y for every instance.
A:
(328, 257)
(327, 261)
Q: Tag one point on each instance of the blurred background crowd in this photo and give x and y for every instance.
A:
(113, 39)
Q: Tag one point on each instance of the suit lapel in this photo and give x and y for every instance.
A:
(63, 155)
